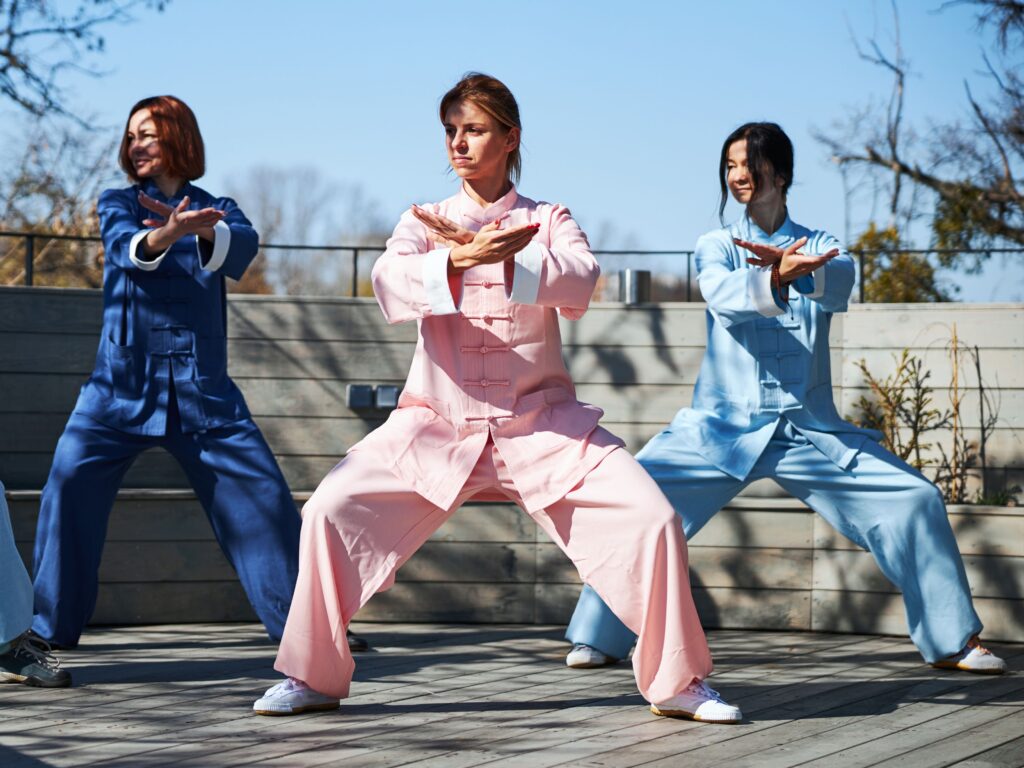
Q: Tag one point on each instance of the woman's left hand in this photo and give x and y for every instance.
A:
(442, 231)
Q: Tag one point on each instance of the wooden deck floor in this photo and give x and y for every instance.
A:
(500, 695)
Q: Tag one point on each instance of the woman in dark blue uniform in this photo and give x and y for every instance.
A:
(161, 380)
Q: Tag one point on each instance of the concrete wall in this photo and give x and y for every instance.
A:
(764, 562)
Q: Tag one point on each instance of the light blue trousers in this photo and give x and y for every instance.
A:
(879, 502)
(15, 585)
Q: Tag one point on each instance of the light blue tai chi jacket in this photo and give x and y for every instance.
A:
(734, 414)
(763, 407)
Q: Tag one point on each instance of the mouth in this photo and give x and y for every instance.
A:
(460, 161)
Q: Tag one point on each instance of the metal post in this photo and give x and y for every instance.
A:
(860, 260)
(689, 264)
(30, 257)
(355, 272)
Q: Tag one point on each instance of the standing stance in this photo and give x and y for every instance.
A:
(489, 412)
(763, 407)
(161, 380)
(24, 656)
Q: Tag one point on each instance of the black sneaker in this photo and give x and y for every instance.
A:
(356, 644)
(31, 662)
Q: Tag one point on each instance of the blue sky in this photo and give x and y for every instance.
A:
(624, 105)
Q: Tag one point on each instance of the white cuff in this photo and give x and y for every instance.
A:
(144, 264)
(221, 243)
(435, 283)
(819, 283)
(526, 275)
(759, 287)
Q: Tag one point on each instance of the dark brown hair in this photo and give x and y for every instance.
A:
(494, 98)
(769, 151)
(177, 130)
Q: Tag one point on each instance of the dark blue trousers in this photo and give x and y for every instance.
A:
(232, 472)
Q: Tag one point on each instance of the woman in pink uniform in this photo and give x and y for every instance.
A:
(490, 412)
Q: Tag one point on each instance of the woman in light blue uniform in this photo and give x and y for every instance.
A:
(763, 407)
(24, 657)
(161, 380)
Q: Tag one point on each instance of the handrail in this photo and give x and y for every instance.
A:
(31, 237)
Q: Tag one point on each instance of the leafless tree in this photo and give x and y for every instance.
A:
(962, 177)
(42, 40)
(299, 206)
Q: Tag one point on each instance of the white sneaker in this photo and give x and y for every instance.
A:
(587, 657)
(698, 701)
(974, 658)
(292, 697)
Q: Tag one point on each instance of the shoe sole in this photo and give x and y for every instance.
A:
(34, 682)
(591, 665)
(682, 714)
(960, 668)
(298, 710)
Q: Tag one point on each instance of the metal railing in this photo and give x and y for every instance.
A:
(671, 281)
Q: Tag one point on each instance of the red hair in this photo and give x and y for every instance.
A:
(177, 129)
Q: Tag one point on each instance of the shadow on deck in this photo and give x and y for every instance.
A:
(466, 695)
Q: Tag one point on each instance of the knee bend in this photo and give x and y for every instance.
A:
(926, 498)
(661, 515)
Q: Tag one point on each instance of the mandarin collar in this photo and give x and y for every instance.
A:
(786, 231)
(150, 188)
(472, 210)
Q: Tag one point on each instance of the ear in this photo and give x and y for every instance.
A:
(512, 140)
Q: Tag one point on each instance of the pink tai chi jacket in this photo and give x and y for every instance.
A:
(488, 362)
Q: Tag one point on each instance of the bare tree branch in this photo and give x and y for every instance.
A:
(39, 44)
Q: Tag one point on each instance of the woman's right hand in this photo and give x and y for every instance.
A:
(492, 245)
(178, 221)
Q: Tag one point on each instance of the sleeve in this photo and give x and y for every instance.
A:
(734, 295)
(831, 284)
(562, 275)
(410, 279)
(122, 235)
(235, 242)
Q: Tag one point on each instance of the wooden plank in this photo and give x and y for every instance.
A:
(1007, 755)
(968, 742)
(895, 326)
(42, 310)
(989, 531)
(709, 566)
(744, 528)
(718, 607)
(882, 613)
(661, 325)
(173, 602)
(321, 319)
(467, 562)
(1009, 405)
(857, 571)
(906, 744)
(463, 602)
(1007, 363)
(300, 435)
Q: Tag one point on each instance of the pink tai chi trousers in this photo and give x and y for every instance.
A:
(363, 523)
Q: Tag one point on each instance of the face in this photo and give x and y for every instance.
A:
(478, 145)
(740, 181)
(144, 145)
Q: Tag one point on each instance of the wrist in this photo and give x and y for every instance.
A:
(459, 258)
